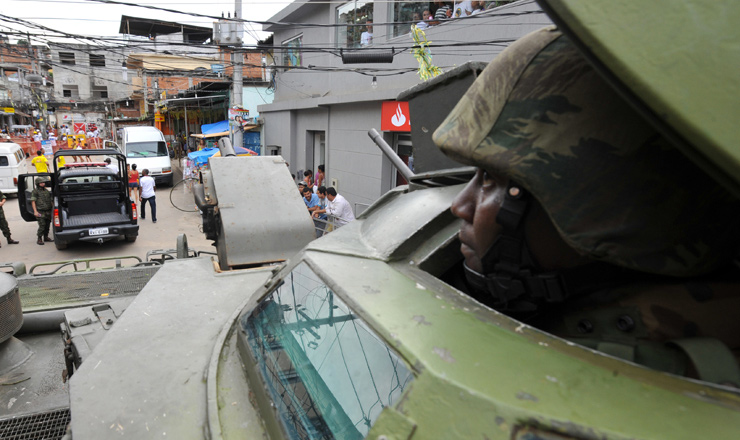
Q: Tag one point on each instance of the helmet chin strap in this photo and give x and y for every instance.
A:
(511, 277)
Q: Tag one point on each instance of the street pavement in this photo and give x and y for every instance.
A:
(161, 235)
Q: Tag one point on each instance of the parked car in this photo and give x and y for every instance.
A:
(12, 164)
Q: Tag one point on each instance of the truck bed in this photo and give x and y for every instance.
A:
(95, 220)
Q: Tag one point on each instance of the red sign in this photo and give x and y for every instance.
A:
(78, 127)
(395, 116)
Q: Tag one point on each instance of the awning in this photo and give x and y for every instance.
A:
(212, 135)
(201, 157)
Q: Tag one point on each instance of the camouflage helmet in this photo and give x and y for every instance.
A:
(614, 188)
(43, 180)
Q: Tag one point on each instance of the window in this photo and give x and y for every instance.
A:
(407, 13)
(70, 91)
(356, 16)
(327, 373)
(4, 161)
(67, 58)
(97, 60)
(292, 55)
(100, 92)
(146, 149)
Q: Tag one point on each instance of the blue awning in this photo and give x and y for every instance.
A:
(201, 157)
(216, 127)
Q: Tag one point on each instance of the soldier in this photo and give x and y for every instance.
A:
(583, 220)
(4, 223)
(42, 204)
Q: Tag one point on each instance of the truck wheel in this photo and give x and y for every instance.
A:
(60, 244)
(131, 238)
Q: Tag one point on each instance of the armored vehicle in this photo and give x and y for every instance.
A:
(375, 330)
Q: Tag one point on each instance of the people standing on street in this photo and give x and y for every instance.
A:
(148, 188)
(312, 202)
(308, 178)
(133, 182)
(40, 162)
(41, 203)
(61, 162)
(3, 222)
(78, 146)
(320, 176)
(338, 207)
(320, 218)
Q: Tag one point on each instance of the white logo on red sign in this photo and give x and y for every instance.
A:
(398, 119)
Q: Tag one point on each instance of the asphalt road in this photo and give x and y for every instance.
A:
(161, 235)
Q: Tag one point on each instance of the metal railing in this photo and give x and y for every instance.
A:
(330, 224)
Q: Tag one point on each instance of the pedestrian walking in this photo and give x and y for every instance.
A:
(148, 188)
(40, 162)
(133, 182)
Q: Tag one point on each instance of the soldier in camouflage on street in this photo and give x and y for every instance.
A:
(42, 205)
(3, 222)
(585, 221)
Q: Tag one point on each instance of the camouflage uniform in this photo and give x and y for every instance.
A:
(3, 222)
(617, 192)
(42, 197)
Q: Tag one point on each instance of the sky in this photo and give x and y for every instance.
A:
(92, 18)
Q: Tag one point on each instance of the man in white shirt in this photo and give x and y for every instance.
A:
(147, 194)
(110, 165)
(366, 38)
(338, 207)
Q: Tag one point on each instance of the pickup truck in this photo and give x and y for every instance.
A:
(91, 200)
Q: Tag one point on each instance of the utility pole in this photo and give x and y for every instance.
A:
(237, 139)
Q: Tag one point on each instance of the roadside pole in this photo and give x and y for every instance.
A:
(238, 55)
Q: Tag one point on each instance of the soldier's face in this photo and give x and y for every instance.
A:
(478, 205)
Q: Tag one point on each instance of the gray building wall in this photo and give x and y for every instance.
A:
(85, 76)
(344, 104)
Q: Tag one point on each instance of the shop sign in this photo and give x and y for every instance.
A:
(242, 113)
(9, 110)
(395, 116)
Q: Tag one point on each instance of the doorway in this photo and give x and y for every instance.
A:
(315, 150)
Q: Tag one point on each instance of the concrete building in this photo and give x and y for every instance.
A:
(181, 80)
(88, 80)
(25, 84)
(323, 109)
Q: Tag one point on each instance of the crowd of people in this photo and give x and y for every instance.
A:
(436, 14)
(328, 209)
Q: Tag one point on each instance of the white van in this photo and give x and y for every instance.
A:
(12, 163)
(146, 147)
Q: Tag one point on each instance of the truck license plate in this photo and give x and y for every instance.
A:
(98, 231)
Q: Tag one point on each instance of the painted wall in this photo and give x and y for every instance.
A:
(252, 97)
